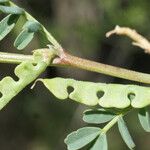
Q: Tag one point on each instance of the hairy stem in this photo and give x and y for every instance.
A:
(73, 61)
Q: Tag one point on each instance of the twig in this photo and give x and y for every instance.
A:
(138, 40)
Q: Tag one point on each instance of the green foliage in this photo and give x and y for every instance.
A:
(120, 97)
(144, 118)
(11, 10)
(32, 26)
(29, 29)
(92, 136)
(3, 1)
(27, 34)
(81, 137)
(125, 133)
(7, 24)
(97, 116)
(26, 73)
(115, 95)
(23, 39)
(101, 142)
(106, 95)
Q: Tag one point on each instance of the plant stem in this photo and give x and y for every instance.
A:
(111, 123)
(77, 62)
(73, 61)
(13, 58)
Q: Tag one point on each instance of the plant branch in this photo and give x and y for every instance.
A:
(72, 61)
(65, 59)
(138, 39)
(13, 58)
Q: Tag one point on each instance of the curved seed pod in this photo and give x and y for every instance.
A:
(114, 95)
(26, 73)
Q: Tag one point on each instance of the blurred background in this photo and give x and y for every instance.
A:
(35, 120)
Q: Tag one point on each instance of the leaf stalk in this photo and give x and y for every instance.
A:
(111, 123)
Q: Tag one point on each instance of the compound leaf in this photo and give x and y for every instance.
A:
(11, 10)
(125, 133)
(115, 95)
(100, 143)
(144, 118)
(81, 137)
(7, 24)
(26, 73)
(97, 116)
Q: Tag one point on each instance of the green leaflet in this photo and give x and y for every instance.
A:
(144, 118)
(125, 133)
(97, 116)
(32, 26)
(7, 24)
(23, 39)
(3, 1)
(27, 34)
(115, 95)
(81, 137)
(100, 143)
(85, 136)
(26, 73)
(11, 10)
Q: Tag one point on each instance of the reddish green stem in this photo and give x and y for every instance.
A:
(73, 61)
